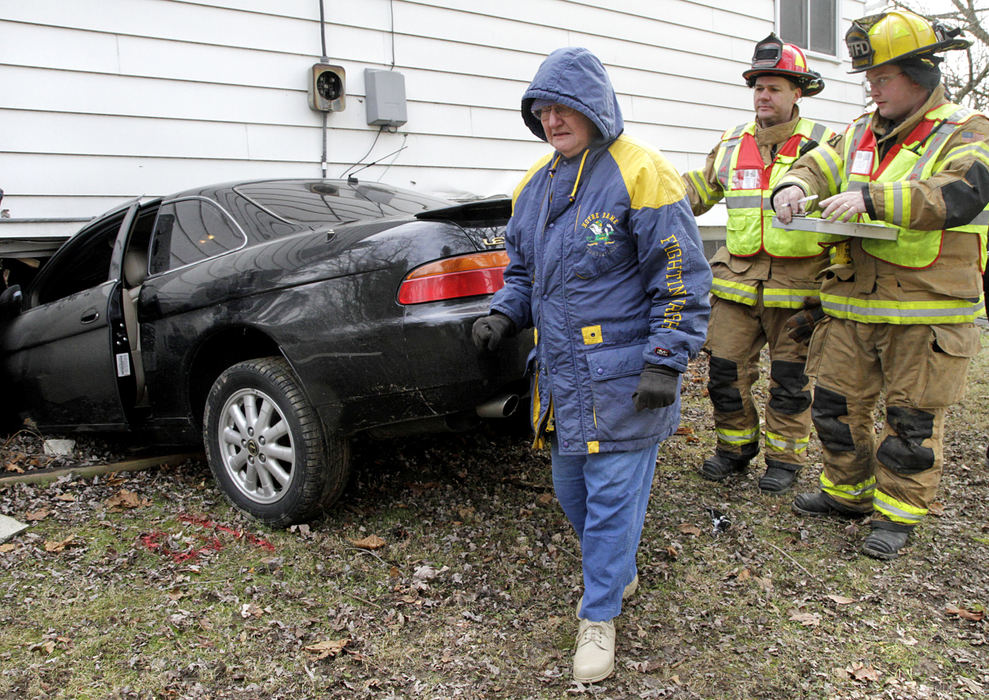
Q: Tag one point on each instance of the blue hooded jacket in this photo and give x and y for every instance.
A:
(606, 262)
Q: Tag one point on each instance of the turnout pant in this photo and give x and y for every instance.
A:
(922, 370)
(736, 336)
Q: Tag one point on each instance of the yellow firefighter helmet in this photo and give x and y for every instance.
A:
(890, 36)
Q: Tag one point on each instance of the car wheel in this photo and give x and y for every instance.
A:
(266, 446)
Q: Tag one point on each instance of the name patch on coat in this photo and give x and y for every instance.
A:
(862, 163)
(600, 227)
(746, 179)
(672, 314)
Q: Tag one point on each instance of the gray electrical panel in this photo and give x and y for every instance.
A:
(385, 97)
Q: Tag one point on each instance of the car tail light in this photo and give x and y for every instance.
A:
(452, 278)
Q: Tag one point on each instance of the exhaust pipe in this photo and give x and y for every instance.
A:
(498, 407)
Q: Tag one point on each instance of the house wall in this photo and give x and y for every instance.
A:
(105, 100)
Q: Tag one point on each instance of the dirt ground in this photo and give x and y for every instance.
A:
(448, 570)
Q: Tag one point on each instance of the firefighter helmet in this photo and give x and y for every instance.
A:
(876, 40)
(773, 57)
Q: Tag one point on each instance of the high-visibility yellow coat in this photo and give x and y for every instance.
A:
(928, 177)
(743, 169)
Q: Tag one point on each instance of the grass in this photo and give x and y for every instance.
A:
(473, 593)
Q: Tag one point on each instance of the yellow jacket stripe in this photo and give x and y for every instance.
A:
(902, 313)
(735, 291)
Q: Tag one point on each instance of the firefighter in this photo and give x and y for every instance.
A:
(762, 274)
(898, 313)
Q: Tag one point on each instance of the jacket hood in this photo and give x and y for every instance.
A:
(576, 78)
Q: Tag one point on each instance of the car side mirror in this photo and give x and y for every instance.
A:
(10, 301)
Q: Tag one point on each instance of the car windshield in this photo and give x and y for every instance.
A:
(323, 202)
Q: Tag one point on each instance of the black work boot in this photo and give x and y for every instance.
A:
(779, 476)
(886, 539)
(820, 503)
(720, 466)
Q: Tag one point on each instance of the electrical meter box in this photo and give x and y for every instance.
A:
(327, 86)
(385, 97)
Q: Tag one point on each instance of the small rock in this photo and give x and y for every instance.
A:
(59, 448)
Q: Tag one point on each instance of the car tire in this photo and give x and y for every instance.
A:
(266, 446)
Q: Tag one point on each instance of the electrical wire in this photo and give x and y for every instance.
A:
(391, 12)
(361, 159)
(385, 171)
(322, 30)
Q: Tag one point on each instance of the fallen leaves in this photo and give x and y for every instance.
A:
(370, 542)
(806, 619)
(60, 545)
(125, 500)
(249, 610)
(689, 529)
(859, 672)
(976, 614)
(328, 647)
(841, 600)
(970, 685)
(687, 433)
(49, 643)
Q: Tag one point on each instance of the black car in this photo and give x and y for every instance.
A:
(271, 320)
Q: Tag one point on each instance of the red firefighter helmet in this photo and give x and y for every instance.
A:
(773, 57)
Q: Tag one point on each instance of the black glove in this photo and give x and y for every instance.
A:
(489, 330)
(657, 387)
(800, 326)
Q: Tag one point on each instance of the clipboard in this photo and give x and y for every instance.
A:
(839, 228)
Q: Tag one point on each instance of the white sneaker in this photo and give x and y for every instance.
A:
(594, 659)
(629, 591)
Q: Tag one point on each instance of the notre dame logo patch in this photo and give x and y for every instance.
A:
(600, 228)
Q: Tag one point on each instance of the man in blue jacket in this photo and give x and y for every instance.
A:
(606, 262)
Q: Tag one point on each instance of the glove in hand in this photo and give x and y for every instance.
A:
(488, 331)
(800, 326)
(657, 387)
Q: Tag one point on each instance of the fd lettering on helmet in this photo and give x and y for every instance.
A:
(859, 47)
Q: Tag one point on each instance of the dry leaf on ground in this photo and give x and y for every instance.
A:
(53, 546)
(328, 647)
(807, 619)
(369, 542)
(126, 499)
(861, 672)
(688, 529)
(841, 600)
(248, 610)
(965, 614)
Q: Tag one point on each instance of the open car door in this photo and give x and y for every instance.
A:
(65, 355)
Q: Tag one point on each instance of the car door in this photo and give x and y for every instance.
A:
(61, 354)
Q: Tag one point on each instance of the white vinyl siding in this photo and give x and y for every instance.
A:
(105, 100)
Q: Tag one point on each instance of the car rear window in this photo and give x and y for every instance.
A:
(318, 203)
(189, 230)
